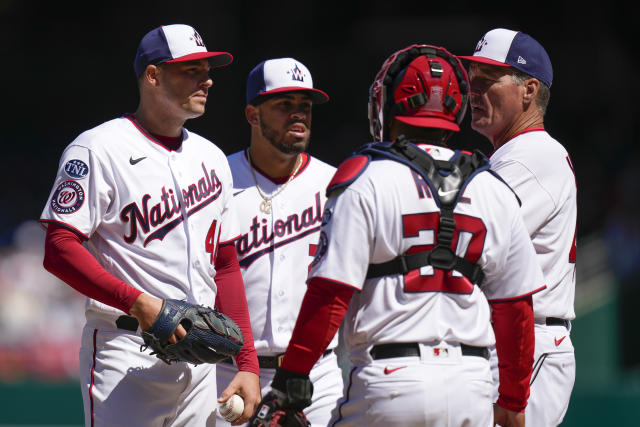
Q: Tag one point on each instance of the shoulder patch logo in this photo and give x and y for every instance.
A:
(326, 216)
(68, 197)
(76, 169)
(323, 243)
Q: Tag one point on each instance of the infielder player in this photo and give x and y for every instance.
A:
(151, 202)
(511, 77)
(280, 194)
(417, 320)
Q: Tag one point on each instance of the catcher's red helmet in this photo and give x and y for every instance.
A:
(420, 85)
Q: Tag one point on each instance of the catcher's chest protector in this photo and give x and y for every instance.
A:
(446, 180)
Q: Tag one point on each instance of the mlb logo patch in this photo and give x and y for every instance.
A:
(440, 352)
(263, 411)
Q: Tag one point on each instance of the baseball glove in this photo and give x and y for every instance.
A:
(211, 335)
(282, 407)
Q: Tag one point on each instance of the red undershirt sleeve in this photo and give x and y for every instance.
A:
(67, 259)
(323, 308)
(515, 342)
(232, 301)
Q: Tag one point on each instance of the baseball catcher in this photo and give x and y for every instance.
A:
(211, 335)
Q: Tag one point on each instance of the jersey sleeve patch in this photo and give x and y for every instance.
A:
(76, 169)
(347, 172)
(321, 250)
(68, 197)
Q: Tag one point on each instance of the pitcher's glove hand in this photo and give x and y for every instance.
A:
(282, 407)
(211, 335)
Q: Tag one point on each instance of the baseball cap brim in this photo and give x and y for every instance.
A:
(316, 95)
(216, 59)
(484, 60)
(430, 122)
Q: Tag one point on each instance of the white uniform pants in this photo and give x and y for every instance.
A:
(326, 377)
(552, 379)
(122, 386)
(436, 390)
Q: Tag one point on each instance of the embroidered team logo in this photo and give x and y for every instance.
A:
(323, 243)
(326, 216)
(68, 197)
(482, 43)
(76, 169)
(198, 39)
(296, 74)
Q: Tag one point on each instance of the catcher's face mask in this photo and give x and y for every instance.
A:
(421, 85)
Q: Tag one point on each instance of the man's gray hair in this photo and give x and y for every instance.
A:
(544, 93)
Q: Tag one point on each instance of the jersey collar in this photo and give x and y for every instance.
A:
(167, 145)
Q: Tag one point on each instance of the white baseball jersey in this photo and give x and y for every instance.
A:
(389, 210)
(276, 249)
(152, 217)
(540, 171)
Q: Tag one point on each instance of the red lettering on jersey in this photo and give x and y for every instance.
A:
(196, 197)
(262, 238)
(421, 185)
(468, 242)
(210, 242)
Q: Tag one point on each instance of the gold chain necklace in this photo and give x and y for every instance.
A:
(265, 205)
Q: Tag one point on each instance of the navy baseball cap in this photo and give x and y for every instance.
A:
(175, 43)
(282, 75)
(508, 48)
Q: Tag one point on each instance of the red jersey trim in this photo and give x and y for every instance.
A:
(527, 130)
(93, 371)
(335, 282)
(148, 135)
(64, 225)
(519, 297)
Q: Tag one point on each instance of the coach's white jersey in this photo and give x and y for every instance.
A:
(152, 217)
(540, 171)
(276, 249)
(387, 211)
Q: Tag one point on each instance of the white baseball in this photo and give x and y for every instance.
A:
(232, 408)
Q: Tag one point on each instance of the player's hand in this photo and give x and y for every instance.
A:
(247, 385)
(146, 309)
(506, 418)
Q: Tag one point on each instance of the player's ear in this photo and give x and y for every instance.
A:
(531, 87)
(150, 75)
(251, 113)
